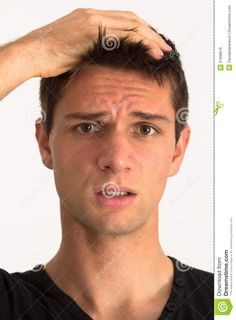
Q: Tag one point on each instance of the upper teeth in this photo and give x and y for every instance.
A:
(114, 193)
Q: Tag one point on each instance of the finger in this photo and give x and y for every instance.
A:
(124, 14)
(134, 20)
(117, 14)
(114, 35)
(125, 24)
(120, 20)
(148, 33)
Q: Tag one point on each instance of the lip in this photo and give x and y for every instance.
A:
(120, 188)
(114, 202)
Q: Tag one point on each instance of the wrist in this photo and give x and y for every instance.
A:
(24, 53)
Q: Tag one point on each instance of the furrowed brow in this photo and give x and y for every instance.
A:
(86, 115)
(102, 114)
(149, 116)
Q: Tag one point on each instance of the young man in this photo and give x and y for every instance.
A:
(109, 173)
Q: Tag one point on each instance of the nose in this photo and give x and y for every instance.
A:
(115, 154)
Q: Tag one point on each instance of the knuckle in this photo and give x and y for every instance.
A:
(135, 21)
(78, 10)
(130, 13)
(91, 18)
(89, 10)
(91, 32)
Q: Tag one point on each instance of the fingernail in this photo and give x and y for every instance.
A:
(168, 47)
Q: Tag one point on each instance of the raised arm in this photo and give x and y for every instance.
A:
(14, 68)
(54, 49)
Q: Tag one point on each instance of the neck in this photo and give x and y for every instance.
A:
(90, 266)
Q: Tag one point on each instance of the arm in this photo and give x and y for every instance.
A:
(14, 68)
(55, 48)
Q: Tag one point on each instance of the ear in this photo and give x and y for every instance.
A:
(43, 143)
(179, 151)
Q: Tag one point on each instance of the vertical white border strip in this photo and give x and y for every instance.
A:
(225, 158)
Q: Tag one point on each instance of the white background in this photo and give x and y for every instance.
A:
(29, 206)
(225, 152)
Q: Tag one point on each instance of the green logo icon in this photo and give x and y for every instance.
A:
(229, 67)
(220, 67)
(217, 107)
(222, 307)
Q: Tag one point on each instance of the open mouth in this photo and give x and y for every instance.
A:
(114, 200)
(115, 194)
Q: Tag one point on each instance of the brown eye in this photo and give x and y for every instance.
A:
(145, 129)
(86, 127)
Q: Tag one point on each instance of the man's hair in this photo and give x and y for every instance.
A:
(125, 55)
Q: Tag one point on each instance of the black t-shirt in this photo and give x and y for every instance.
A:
(32, 295)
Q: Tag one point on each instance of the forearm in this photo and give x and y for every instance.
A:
(15, 67)
(55, 48)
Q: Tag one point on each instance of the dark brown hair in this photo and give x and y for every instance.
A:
(122, 54)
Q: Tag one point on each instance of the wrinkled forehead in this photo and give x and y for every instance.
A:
(99, 87)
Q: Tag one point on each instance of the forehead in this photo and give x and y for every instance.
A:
(103, 87)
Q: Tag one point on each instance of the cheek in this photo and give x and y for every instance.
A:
(71, 179)
(156, 166)
(69, 153)
(158, 161)
(74, 165)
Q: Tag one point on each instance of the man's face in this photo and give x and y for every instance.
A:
(125, 151)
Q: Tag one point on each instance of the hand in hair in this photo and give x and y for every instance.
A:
(54, 48)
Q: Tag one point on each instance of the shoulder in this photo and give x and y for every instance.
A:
(194, 278)
(16, 282)
(199, 293)
(203, 275)
(12, 285)
(7, 292)
(6, 281)
(199, 282)
(18, 293)
(195, 289)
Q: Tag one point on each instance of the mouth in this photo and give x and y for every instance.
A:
(117, 195)
(115, 199)
(115, 191)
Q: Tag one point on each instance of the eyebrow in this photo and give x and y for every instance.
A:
(98, 115)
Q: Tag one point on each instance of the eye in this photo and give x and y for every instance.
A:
(86, 127)
(145, 129)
